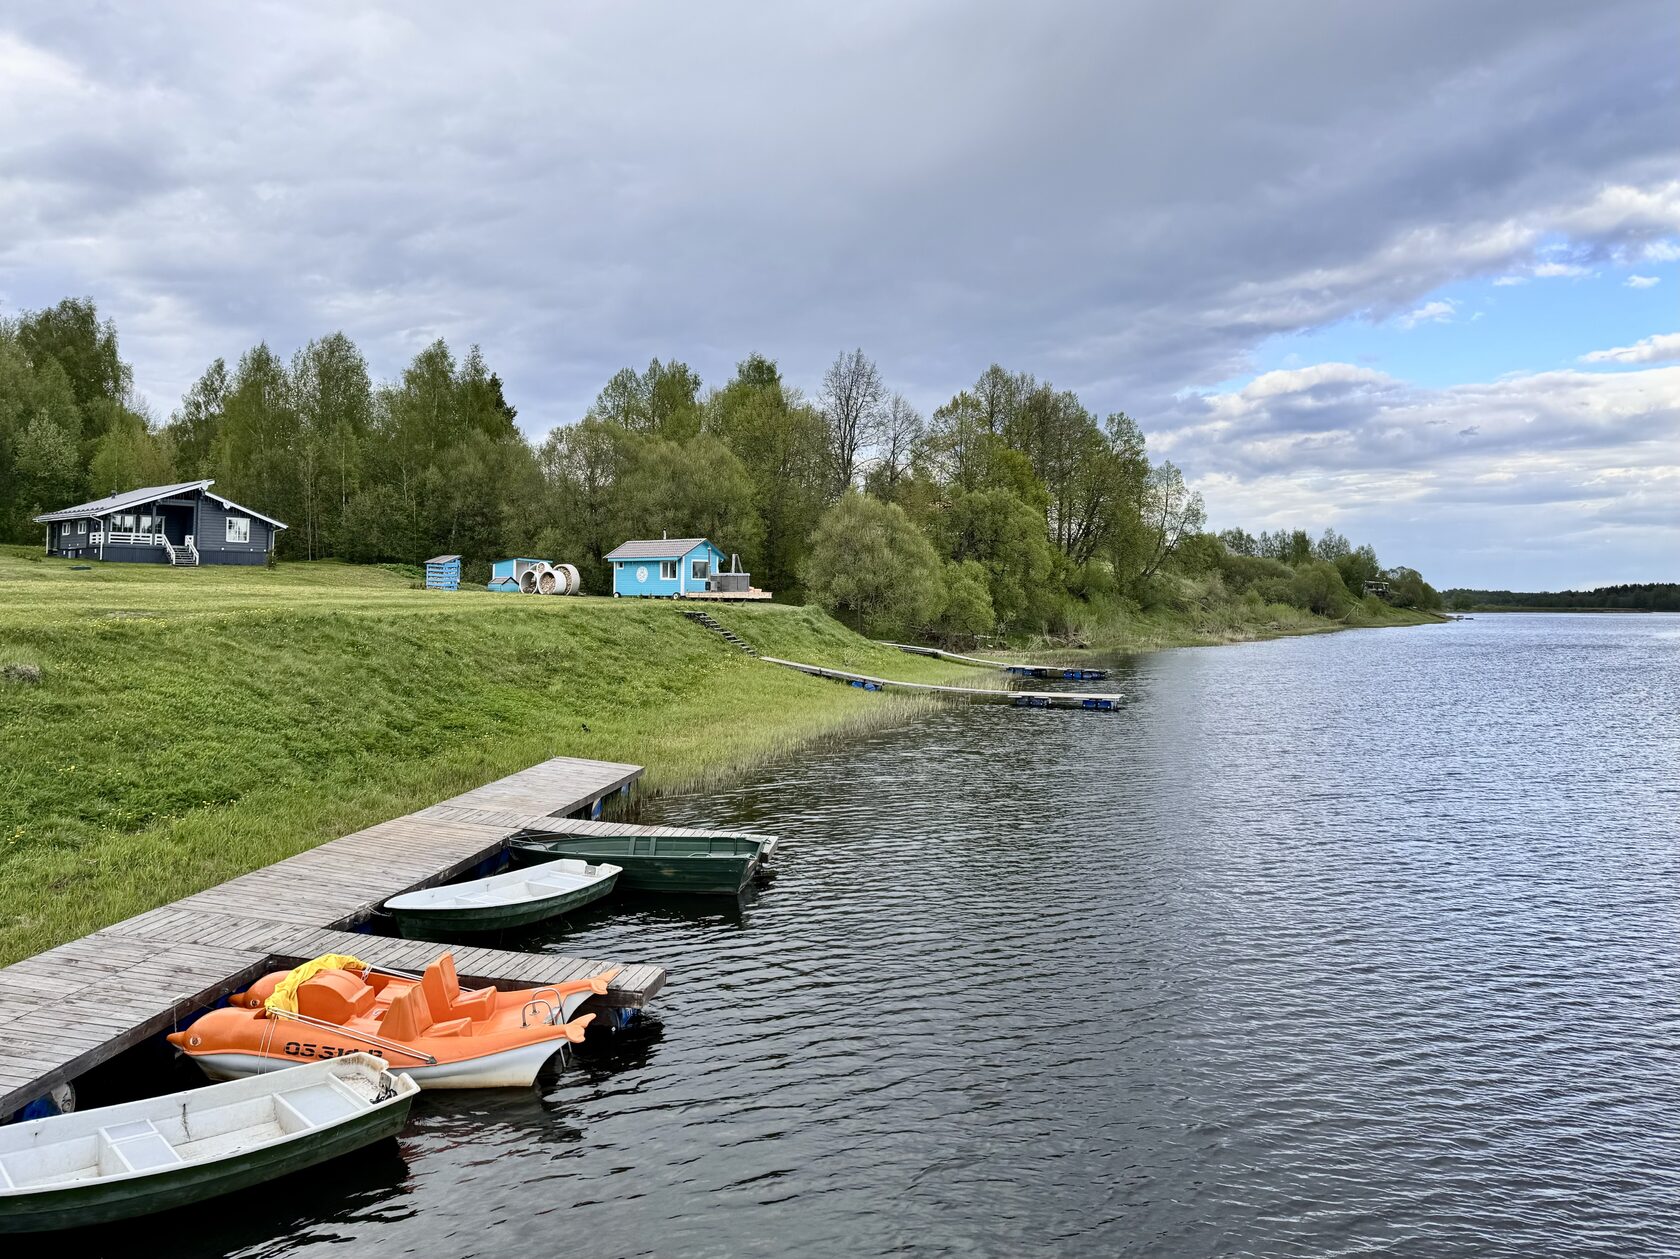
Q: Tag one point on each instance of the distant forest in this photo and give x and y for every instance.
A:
(1012, 508)
(1650, 597)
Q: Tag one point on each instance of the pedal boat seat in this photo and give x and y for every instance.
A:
(409, 1018)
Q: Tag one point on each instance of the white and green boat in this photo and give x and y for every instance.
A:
(119, 1162)
(514, 898)
(691, 862)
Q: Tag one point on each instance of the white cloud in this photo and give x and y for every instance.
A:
(1438, 311)
(1661, 251)
(1505, 281)
(1642, 281)
(1520, 482)
(1661, 348)
(1553, 270)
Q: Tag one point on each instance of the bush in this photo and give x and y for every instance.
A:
(968, 603)
(1317, 587)
(872, 568)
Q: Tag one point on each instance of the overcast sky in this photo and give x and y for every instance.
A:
(1409, 270)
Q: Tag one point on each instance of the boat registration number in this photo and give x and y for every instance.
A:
(303, 1049)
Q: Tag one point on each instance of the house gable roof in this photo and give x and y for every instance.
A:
(658, 549)
(138, 498)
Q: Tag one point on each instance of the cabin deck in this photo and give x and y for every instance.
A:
(72, 1007)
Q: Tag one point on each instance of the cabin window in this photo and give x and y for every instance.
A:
(146, 523)
(667, 570)
(82, 526)
(702, 569)
(238, 528)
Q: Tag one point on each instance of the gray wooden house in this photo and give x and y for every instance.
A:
(183, 524)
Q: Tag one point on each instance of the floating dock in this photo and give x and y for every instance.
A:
(1088, 700)
(65, 1011)
(1064, 672)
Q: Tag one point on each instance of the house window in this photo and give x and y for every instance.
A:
(81, 526)
(238, 528)
(667, 570)
(146, 523)
(702, 570)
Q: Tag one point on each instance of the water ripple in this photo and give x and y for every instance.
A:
(1357, 945)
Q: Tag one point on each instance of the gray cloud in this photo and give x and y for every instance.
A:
(1124, 199)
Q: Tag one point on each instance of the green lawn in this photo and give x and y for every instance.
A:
(191, 725)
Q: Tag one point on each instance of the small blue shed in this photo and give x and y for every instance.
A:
(665, 568)
(506, 575)
(443, 572)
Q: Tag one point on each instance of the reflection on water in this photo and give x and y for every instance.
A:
(1357, 944)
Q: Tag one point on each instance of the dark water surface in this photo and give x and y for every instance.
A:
(1350, 945)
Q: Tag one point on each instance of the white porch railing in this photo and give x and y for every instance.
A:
(125, 537)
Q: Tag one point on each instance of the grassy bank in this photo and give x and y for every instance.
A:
(189, 726)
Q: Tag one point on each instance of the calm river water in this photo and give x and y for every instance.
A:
(1350, 945)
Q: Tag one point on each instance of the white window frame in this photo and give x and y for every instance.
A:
(244, 523)
(81, 525)
(700, 569)
(668, 569)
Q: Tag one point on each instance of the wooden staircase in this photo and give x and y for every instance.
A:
(182, 556)
(729, 635)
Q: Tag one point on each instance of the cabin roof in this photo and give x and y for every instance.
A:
(442, 559)
(657, 548)
(139, 497)
(116, 502)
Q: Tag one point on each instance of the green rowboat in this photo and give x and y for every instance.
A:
(713, 865)
(119, 1162)
(516, 898)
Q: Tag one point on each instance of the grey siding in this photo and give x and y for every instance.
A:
(70, 544)
(117, 554)
(211, 536)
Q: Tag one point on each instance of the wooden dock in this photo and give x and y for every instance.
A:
(1089, 700)
(75, 1006)
(1064, 672)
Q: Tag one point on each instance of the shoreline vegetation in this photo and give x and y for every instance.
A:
(1642, 597)
(172, 730)
(1011, 510)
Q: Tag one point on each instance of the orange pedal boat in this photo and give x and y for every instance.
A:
(429, 1028)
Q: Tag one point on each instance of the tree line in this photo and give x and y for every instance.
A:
(1643, 597)
(1011, 508)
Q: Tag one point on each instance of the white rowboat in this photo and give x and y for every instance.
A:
(118, 1162)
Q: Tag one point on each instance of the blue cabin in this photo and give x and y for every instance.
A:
(666, 568)
(443, 572)
(184, 525)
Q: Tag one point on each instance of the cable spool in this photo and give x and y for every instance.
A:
(574, 579)
(528, 582)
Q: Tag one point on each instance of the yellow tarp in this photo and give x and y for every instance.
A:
(284, 996)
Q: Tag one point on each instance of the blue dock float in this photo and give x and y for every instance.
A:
(1068, 673)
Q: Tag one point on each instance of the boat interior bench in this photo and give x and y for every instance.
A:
(140, 1145)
